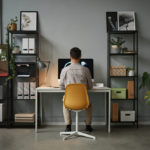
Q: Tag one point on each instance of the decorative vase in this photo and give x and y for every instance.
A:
(115, 49)
(131, 73)
(12, 26)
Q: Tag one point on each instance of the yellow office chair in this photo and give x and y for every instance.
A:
(76, 99)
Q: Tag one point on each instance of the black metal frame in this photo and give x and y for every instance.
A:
(12, 97)
(37, 27)
(134, 34)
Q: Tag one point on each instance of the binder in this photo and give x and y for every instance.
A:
(20, 90)
(115, 112)
(26, 90)
(31, 45)
(130, 88)
(25, 43)
(32, 90)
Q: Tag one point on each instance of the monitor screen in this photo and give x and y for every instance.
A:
(66, 62)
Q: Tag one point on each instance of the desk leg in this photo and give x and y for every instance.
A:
(109, 111)
(41, 109)
(36, 111)
(105, 99)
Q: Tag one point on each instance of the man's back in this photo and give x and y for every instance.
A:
(75, 73)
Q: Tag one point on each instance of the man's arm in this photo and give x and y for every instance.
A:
(62, 78)
(89, 79)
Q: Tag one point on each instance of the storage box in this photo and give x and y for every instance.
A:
(26, 90)
(127, 116)
(25, 117)
(20, 90)
(32, 90)
(130, 88)
(118, 93)
(115, 112)
(118, 71)
(2, 112)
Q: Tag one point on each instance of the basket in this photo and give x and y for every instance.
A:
(118, 71)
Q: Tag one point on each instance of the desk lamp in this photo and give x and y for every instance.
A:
(41, 65)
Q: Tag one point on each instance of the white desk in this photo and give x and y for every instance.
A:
(58, 90)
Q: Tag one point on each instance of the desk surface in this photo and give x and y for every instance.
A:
(55, 90)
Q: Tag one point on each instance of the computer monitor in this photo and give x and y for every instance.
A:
(66, 62)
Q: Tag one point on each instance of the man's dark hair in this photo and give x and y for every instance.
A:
(75, 53)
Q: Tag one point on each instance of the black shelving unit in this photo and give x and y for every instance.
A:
(134, 59)
(13, 38)
(4, 100)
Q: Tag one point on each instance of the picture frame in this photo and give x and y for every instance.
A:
(126, 21)
(29, 20)
(112, 21)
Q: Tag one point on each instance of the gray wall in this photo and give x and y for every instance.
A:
(82, 23)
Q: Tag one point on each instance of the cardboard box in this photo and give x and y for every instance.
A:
(115, 112)
(130, 88)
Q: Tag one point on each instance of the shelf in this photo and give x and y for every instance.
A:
(119, 54)
(24, 54)
(123, 76)
(124, 99)
(122, 32)
(23, 32)
(24, 99)
(120, 122)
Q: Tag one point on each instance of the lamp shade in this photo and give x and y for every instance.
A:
(41, 65)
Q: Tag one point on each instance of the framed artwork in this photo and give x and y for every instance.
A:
(29, 21)
(120, 21)
(112, 21)
(126, 21)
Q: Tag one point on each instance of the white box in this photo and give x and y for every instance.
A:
(2, 112)
(32, 90)
(127, 116)
(20, 90)
(26, 90)
(25, 45)
(31, 45)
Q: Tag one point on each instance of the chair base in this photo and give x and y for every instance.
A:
(76, 133)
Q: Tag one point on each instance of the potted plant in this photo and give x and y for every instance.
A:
(146, 84)
(12, 26)
(11, 62)
(116, 44)
(130, 71)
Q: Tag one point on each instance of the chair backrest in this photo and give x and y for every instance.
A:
(76, 97)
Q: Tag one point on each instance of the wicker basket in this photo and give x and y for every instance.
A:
(118, 71)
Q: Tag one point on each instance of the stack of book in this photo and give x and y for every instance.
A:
(25, 118)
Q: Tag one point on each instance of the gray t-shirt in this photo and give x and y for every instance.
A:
(75, 73)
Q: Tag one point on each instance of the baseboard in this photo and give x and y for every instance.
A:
(81, 123)
(93, 123)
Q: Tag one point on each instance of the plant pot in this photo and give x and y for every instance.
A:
(12, 26)
(131, 73)
(115, 49)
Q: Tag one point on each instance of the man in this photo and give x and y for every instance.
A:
(76, 73)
